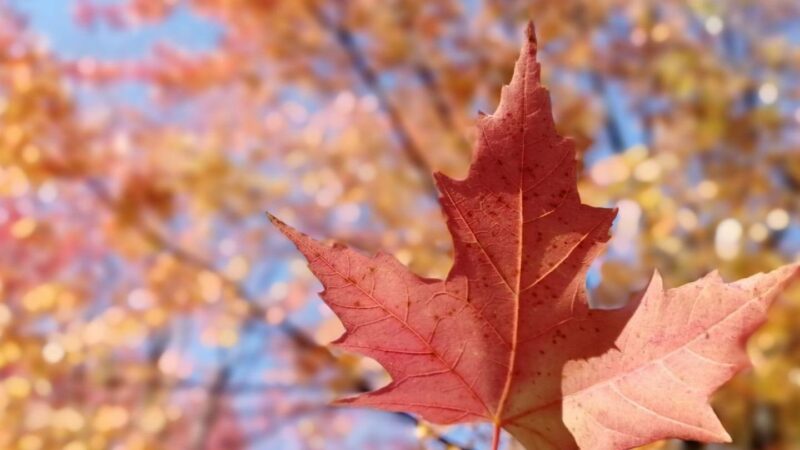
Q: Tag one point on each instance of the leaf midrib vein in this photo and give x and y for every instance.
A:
(512, 358)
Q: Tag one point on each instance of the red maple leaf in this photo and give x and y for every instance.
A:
(503, 337)
(676, 350)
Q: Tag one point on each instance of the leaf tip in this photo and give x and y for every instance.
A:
(287, 231)
(791, 272)
(340, 341)
(439, 178)
(655, 287)
(656, 277)
(533, 43)
(347, 401)
(530, 32)
(274, 220)
(723, 437)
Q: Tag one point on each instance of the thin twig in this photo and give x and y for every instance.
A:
(344, 37)
(216, 392)
(444, 112)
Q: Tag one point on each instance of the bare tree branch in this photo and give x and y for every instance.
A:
(344, 37)
(444, 112)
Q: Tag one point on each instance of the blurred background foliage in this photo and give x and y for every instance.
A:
(146, 302)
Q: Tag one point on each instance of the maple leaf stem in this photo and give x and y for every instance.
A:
(496, 437)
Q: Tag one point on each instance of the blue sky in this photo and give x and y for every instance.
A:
(54, 19)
